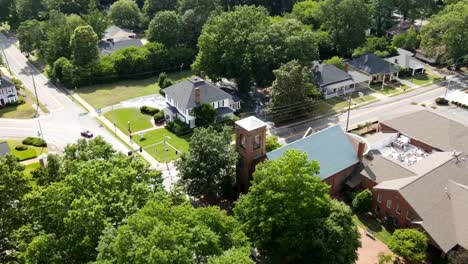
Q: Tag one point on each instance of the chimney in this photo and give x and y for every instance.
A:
(346, 67)
(197, 95)
(361, 149)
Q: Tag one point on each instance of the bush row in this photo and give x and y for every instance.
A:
(34, 141)
(159, 117)
(127, 63)
(21, 148)
(177, 127)
(441, 101)
(460, 104)
(148, 110)
(20, 101)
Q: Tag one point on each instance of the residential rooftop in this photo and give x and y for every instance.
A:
(251, 123)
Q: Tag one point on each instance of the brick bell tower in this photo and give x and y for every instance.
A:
(250, 144)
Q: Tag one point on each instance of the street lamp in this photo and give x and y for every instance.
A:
(349, 108)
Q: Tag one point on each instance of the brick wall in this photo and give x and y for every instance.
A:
(336, 180)
(386, 129)
(396, 199)
(422, 145)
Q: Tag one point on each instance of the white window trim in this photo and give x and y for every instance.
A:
(407, 213)
(398, 209)
(389, 204)
(379, 197)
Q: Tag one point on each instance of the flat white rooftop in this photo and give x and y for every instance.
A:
(251, 123)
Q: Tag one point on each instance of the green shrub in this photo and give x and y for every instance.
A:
(159, 117)
(272, 143)
(21, 147)
(441, 101)
(148, 110)
(34, 141)
(362, 202)
(410, 244)
(20, 101)
(177, 127)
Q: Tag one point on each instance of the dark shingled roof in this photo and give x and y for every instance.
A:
(372, 65)
(183, 93)
(329, 74)
(4, 148)
(6, 82)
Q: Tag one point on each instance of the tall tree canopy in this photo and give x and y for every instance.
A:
(290, 90)
(83, 44)
(208, 170)
(445, 35)
(247, 45)
(381, 11)
(408, 40)
(31, 34)
(411, 244)
(347, 31)
(166, 28)
(290, 217)
(151, 7)
(13, 186)
(90, 188)
(165, 232)
(97, 20)
(308, 12)
(126, 14)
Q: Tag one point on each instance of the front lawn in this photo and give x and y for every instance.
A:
(30, 153)
(373, 226)
(30, 168)
(102, 95)
(138, 121)
(420, 79)
(23, 111)
(152, 142)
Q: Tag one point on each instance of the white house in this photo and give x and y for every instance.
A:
(184, 96)
(405, 60)
(8, 93)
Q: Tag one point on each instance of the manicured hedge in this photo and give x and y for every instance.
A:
(148, 110)
(34, 141)
(159, 117)
(177, 127)
(441, 101)
(21, 147)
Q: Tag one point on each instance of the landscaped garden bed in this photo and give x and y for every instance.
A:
(25, 152)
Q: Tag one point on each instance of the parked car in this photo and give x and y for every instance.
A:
(87, 134)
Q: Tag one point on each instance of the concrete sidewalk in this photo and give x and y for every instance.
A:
(122, 136)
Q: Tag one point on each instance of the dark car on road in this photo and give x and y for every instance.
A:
(87, 134)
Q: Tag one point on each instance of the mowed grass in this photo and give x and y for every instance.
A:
(152, 142)
(30, 153)
(30, 168)
(371, 225)
(138, 121)
(102, 95)
(421, 79)
(23, 111)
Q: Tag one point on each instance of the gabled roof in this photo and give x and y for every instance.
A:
(116, 33)
(5, 82)
(381, 169)
(402, 27)
(251, 123)
(330, 147)
(432, 129)
(183, 93)
(108, 47)
(329, 74)
(406, 61)
(371, 64)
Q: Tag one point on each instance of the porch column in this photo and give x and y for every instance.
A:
(413, 72)
(383, 81)
(397, 74)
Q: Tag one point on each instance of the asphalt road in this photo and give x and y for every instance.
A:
(63, 124)
(384, 109)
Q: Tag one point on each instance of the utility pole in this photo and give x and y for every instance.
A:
(165, 149)
(349, 110)
(37, 106)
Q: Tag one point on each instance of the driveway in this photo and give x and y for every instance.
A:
(155, 100)
(370, 249)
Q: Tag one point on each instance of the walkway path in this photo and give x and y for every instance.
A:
(370, 249)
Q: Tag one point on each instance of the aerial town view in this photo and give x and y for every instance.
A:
(234, 131)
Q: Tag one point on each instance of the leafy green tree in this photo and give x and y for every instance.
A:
(96, 187)
(362, 203)
(164, 232)
(410, 244)
(233, 255)
(13, 186)
(68, 7)
(30, 34)
(337, 61)
(97, 20)
(208, 169)
(7, 10)
(29, 9)
(83, 45)
(445, 35)
(151, 7)
(194, 14)
(166, 28)
(290, 91)
(347, 31)
(205, 115)
(126, 14)
(408, 40)
(271, 143)
(379, 46)
(381, 11)
(224, 49)
(289, 215)
(386, 258)
(459, 256)
(308, 12)
(283, 41)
